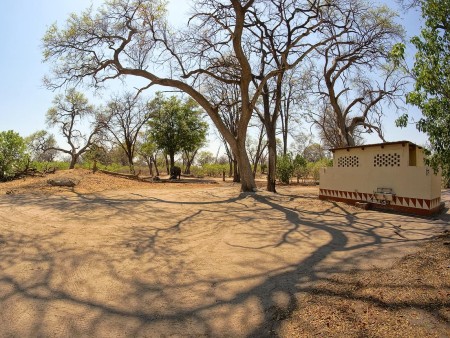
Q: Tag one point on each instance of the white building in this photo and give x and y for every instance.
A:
(386, 175)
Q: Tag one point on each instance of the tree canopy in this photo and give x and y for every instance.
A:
(176, 125)
(431, 72)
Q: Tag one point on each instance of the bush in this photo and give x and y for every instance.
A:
(314, 167)
(285, 168)
(197, 171)
(300, 167)
(214, 170)
(12, 154)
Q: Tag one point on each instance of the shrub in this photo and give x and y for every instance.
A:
(214, 170)
(314, 167)
(300, 167)
(12, 154)
(285, 168)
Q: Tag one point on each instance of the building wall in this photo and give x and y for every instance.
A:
(391, 156)
(358, 173)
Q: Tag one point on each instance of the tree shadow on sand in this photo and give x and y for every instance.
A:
(225, 267)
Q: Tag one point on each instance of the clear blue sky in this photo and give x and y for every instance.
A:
(24, 101)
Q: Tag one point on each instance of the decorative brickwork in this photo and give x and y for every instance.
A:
(401, 203)
(386, 160)
(348, 161)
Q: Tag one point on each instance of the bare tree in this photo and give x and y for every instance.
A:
(282, 41)
(256, 147)
(293, 95)
(227, 100)
(189, 155)
(328, 129)
(69, 112)
(409, 4)
(124, 117)
(353, 78)
(132, 37)
(41, 146)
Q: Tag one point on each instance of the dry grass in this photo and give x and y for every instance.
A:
(409, 299)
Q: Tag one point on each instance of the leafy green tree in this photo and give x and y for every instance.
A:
(432, 74)
(12, 153)
(314, 167)
(205, 157)
(300, 166)
(97, 154)
(285, 168)
(176, 125)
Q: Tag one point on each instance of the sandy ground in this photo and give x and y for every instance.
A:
(119, 258)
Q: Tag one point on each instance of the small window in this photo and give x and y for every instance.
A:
(386, 160)
(348, 161)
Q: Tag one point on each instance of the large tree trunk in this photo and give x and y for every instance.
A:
(189, 161)
(270, 123)
(236, 176)
(172, 159)
(272, 158)
(245, 169)
(156, 166)
(259, 151)
(187, 170)
(130, 163)
(285, 141)
(350, 139)
(150, 167)
(73, 161)
(230, 159)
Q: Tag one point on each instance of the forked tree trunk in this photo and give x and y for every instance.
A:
(245, 170)
(172, 159)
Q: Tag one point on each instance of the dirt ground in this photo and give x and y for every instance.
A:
(119, 258)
